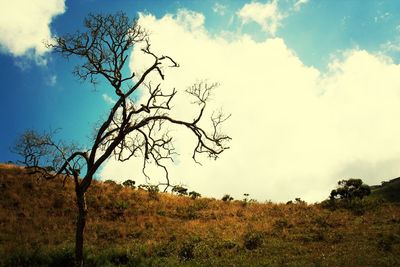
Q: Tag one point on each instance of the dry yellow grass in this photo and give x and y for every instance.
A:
(42, 213)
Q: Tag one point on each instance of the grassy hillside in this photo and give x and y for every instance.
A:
(389, 190)
(130, 227)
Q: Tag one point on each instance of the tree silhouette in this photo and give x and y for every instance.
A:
(350, 189)
(131, 129)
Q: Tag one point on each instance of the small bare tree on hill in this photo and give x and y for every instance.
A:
(131, 129)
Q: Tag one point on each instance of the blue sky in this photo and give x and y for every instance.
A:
(327, 39)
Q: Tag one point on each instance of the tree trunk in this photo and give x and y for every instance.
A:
(80, 226)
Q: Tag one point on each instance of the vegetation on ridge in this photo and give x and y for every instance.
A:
(134, 228)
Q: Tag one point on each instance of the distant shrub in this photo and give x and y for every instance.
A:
(299, 201)
(281, 223)
(129, 183)
(180, 190)
(194, 194)
(246, 200)
(187, 250)
(356, 206)
(187, 213)
(153, 190)
(349, 195)
(227, 198)
(350, 189)
(387, 241)
(253, 240)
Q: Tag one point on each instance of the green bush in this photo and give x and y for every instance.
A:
(387, 241)
(227, 198)
(253, 240)
(180, 190)
(194, 194)
(350, 189)
(281, 223)
(129, 183)
(153, 190)
(186, 251)
(356, 206)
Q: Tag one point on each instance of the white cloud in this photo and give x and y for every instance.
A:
(295, 131)
(390, 46)
(51, 80)
(266, 15)
(297, 6)
(24, 25)
(219, 9)
(108, 99)
(381, 16)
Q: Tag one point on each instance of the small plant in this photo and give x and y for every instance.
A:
(281, 223)
(151, 189)
(129, 183)
(187, 213)
(299, 201)
(246, 200)
(194, 194)
(187, 250)
(227, 198)
(180, 190)
(253, 240)
(386, 241)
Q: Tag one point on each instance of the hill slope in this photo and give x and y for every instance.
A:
(130, 227)
(389, 190)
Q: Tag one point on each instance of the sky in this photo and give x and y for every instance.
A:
(313, 88)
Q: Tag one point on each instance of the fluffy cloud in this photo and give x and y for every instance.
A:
(51, 80)
(108, 99)
(219, 9)
(299, 4)
(24, 25)
(266, 15)
(295, 130)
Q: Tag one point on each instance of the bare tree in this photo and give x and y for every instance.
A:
(131, 129)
